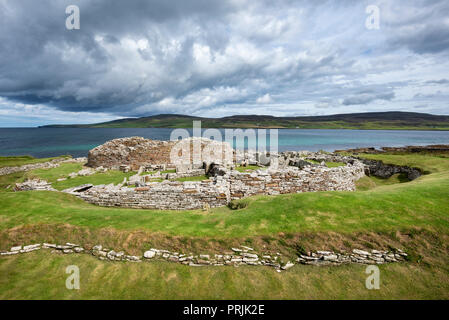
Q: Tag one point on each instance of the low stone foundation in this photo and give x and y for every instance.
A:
(34, 184)
(294, 180)
(234, 257)
(43, 165)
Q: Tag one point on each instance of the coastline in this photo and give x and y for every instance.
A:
(52, 142)
(224, 128)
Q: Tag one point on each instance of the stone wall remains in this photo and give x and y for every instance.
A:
(294, 180)
(166, 195)
(134, 152)
(43, 165)
(234, 257)
(220, 190)
(383, 170)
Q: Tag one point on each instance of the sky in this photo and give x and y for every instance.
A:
(220, 58)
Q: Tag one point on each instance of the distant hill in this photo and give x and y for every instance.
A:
(394, 120)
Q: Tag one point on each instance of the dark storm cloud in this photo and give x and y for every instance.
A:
(49, 64)
(140, 57)
(441, 81)
(425, 39)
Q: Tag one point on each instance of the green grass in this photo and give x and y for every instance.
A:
(367, 183)
(14, 161)
(41, 275)
(196, 178)
(335, 164)
(247, 168)
(428, 163)
(9, 180)
(147, 173)
(52, 175)
(111, 176)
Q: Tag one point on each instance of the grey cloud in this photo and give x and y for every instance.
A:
(433, 96)
(364, 98)
(419, 26)
(430, 39)
(140, 57)
(441, 81)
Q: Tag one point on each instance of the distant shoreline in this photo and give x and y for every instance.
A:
(392, 120)
(279, 128)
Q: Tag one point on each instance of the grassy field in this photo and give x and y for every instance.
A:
(368, 183)
(45, 279)
(22, 160)
(411, 215)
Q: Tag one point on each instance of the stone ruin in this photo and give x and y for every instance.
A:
(155, 186)
(136, 152)
(133, 152)
(221, 189)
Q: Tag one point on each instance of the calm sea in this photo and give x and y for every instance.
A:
(47, 142)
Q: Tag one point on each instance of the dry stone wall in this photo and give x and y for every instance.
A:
(34, 184)
(235, 257)
(294, 180)
(166, 195)
(43, 165)
(382, 170)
